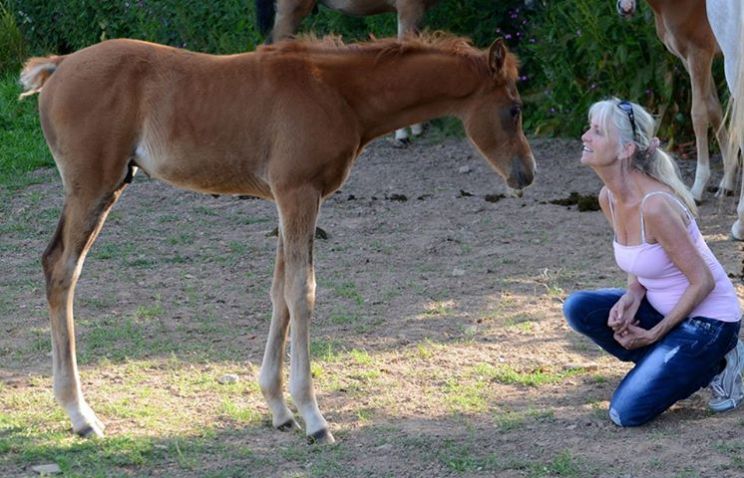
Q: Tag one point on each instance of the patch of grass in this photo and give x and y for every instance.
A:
(512, 420)
(466, 397)
(349, 290)
(439, 309)
(534, 378)
(734, 450)
(461, 458)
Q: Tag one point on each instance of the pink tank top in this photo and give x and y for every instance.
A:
(663, 280)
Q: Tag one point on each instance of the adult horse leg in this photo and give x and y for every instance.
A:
(289, 15)
(84, 211)
(270, 378)
(701, 79)
(298, 211)
(715, 116)
(410, 15)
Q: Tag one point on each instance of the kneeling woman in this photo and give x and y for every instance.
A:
(678, 320)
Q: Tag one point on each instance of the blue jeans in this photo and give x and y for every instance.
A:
(675, 367)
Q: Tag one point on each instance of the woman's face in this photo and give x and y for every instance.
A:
(600, 146)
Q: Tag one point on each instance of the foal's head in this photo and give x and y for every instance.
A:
(493, 120)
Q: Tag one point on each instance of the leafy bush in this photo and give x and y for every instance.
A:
(581, 51)
(62, 26)
(12, 45)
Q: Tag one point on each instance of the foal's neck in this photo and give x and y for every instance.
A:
(392, 93)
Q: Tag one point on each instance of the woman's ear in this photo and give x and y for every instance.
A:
(628, 150)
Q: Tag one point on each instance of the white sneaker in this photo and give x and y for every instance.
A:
(727, 387)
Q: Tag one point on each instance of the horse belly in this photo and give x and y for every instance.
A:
(360, 7)
(201, 170)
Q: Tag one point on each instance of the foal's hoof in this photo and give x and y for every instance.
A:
(321, 437)
(289, 425)
(90, 431)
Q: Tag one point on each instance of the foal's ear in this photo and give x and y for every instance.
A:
(496, 56)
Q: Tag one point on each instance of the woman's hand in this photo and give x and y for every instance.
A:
(622, 314)
(634, 337)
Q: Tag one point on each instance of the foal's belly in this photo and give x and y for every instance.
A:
(202, 170)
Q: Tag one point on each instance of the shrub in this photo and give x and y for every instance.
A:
(581, 51)
(62, 26)
(12, 45)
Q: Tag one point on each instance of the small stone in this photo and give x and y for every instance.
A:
(228, 378)
(458, 272)
(51, 469)
(464, 170)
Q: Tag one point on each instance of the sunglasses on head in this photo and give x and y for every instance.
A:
(628, 109)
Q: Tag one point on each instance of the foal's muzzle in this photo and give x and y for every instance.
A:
(520, 176)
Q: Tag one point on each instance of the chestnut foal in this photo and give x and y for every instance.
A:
(259, 124)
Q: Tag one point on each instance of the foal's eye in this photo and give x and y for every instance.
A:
(515, 110)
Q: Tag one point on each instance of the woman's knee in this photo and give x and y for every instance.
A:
(575, 309)
(624, 416)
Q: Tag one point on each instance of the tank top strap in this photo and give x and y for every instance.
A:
(654, 193)
(611, 201)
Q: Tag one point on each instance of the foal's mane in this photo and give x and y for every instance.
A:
(390, 48)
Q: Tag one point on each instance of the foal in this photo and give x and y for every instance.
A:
(280, 19)
(254, 123)
(682, 25)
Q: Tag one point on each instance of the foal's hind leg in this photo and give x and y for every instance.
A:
(83, 214)
(270, 378)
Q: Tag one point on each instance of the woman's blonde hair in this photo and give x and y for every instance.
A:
(648, 158)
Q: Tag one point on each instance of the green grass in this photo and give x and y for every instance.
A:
(22, 145)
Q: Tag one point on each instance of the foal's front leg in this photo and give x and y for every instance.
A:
(298, 212)
(270, 378)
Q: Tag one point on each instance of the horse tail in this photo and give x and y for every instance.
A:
(734, 117)
(36, 72)
(265, 13)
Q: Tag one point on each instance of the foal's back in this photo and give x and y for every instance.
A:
(203, 122)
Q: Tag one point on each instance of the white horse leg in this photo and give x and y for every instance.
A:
(700, 77)
(270, 378)
(298, 212)
(737, 230)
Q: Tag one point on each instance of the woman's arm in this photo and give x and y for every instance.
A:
(664, 223)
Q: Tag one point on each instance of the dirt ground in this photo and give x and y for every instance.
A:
(421, 272)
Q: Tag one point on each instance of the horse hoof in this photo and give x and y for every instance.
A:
(320, 234)
(720, 191)
(89, 432)
(401, 143)
(289, 425)
(321, 437)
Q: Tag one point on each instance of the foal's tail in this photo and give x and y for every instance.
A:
(265, 13)
(36, 72)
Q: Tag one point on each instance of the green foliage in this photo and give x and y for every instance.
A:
(22, 146)
(12, 44)
(581, 51)
(62, 26)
